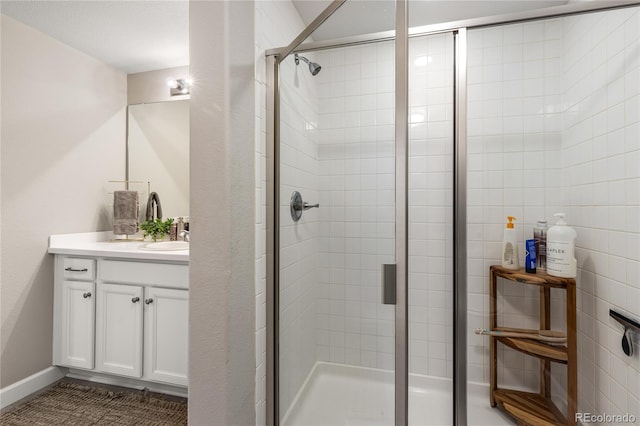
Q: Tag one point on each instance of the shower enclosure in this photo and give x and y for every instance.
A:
(389, 178)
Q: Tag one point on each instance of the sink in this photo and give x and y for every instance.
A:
(166, 245)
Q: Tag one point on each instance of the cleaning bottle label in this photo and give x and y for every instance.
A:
(559, 256)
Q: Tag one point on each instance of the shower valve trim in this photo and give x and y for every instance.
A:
(297, 206)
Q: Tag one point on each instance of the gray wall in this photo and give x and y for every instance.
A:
(222, 260)
(63, 130)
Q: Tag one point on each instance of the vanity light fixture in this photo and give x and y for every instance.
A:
(179, 86)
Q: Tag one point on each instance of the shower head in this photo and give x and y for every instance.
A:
(314, 68)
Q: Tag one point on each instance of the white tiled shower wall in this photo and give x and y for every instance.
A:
(554, 113)
(514, 147)
(430, 202)
(356, 115)
(299, 242)
(601, 195)
(356, 154)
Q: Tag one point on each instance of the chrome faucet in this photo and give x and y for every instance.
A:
(184, 235)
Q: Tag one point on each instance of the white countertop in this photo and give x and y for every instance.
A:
(102, 244)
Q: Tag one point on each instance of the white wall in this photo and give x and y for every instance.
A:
(63, 138)
(601, 194)
(222, 298)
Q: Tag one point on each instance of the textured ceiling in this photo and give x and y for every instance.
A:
(133, 36)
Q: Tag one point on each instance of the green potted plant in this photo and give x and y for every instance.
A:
(156, 229)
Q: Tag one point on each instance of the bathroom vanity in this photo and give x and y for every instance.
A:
(120, 310)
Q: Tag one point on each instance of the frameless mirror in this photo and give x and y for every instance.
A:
(158, 152)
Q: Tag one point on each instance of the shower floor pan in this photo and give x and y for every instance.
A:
(338, 395)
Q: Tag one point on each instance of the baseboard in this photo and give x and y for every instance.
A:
(110, 379)
(29, 385)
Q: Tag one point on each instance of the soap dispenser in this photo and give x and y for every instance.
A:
(510, 258)
(561, 260)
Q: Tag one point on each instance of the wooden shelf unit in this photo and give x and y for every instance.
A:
(536, 408)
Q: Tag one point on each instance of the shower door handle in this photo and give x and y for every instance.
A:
(389, 284)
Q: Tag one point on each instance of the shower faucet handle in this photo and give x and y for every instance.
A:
(297, 206)
(307, 206)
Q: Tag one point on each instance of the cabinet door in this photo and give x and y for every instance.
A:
(166, 329)
(77, 324)
(119, 329)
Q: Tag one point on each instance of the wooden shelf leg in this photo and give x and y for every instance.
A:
(572, 356)
(493, 342)
(545, 324)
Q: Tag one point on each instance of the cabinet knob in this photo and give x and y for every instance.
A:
(148, 301)
(86, 295)
(135, 299)
(70, 269)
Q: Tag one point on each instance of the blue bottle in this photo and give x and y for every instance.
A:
(530, 256)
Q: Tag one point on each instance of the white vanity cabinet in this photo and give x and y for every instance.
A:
(119, 329)
(75, 295)
(165, 335)
(133, 312)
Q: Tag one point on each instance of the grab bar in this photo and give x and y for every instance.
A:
(629, 325)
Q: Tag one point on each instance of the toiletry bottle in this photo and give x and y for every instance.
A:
(173, 232)
(510, 259)
(540, 235)
(180, 227)
(561, 261)
(530, 262)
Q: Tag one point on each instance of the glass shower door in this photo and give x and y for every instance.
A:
(337, 229)
(431, 224)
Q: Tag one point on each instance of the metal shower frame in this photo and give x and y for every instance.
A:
(459, 31)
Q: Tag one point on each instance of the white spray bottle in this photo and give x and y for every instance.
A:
(510, 257)
(561, 260)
